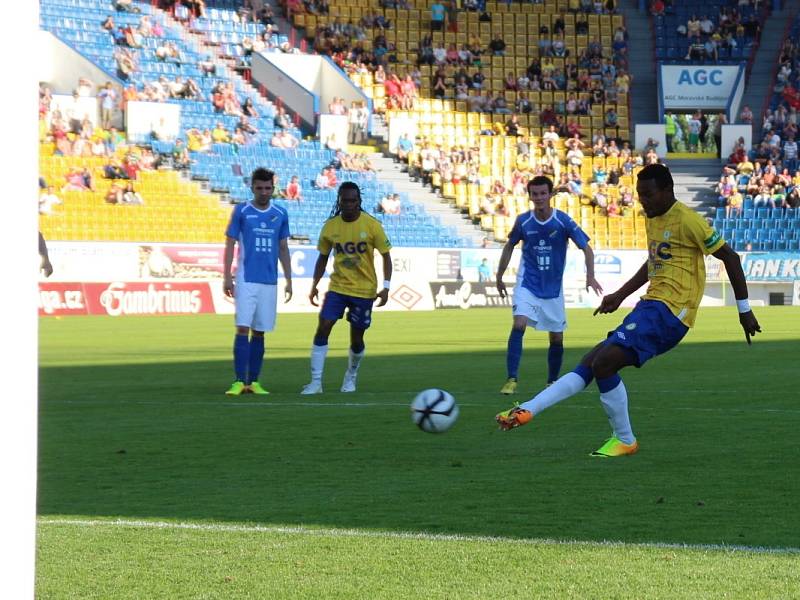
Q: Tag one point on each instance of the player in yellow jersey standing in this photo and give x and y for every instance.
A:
(353, 236)
(677, 240)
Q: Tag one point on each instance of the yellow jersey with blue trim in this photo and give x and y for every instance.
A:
(353, 245)
(677, 243)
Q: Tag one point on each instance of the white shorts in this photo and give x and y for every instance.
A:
(544, 314)
(256, 305)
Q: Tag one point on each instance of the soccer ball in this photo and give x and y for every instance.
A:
(434, 410)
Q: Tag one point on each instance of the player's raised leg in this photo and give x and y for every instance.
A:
(564, 387)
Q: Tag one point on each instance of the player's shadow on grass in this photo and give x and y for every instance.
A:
(161, 441)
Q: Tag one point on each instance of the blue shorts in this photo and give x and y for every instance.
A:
(359, 310)
(649, 329)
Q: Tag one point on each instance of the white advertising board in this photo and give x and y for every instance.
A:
(141, 118)
(698, 86)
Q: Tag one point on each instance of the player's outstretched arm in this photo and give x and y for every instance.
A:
(591, 282)
(505, 258)
(286, 265)
(383, 295)
(733, 266)
(611, 302)
(227, 278)
(319, 271)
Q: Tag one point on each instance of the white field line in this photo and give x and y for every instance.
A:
(403, 535)
(335, 404)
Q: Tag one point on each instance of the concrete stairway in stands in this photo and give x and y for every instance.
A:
(389, 171)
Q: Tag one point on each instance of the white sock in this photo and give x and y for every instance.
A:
(354, 361)
(318, 354)
(615, 402)
(566, 386)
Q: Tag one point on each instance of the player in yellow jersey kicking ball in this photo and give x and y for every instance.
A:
(677, 240)
(353, 236)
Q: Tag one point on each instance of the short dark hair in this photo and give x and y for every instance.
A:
(540, 180)
(262, 174)
(658, 173)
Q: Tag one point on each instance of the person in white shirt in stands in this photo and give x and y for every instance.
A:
(284, 139)
(47, 201)
(790, 154)
(322, 182)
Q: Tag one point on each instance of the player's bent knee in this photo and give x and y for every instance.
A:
(608, 361)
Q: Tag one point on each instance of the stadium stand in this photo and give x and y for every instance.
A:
(721, 31)
(759, 189)
(551, 67)
(224, 165)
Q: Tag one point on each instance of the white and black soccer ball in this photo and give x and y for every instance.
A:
(434, 410)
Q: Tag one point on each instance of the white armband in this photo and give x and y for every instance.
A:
(743, 305)
(386, 284)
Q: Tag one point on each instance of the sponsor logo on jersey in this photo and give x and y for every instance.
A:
(351, 248)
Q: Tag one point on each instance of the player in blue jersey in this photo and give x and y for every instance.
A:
(539, 295)
(261, 230)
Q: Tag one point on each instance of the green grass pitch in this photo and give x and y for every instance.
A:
(153, 484)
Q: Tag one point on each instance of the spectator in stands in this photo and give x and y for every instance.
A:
(75, 181)
(107, 97)
(246, 126)
(220, 135)
(48, 200)
(790, 161)
(321, 182)
(390, 204)
(294, 190)
(115, 194)
(131, 196)
(793, 198)
(282, 120)
(611, 118)
(284, 140)
(746, 115)
(437, 16)
(126, 6)
(126, 63)
(180, 156)
(404, 147)
(497, 45)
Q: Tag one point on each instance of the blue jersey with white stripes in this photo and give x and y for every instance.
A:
(259, 233)
(544, 250)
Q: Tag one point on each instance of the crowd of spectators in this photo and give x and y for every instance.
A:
(708, 36)
(437, 165)
(768, 173)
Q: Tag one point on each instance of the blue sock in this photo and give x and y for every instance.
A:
(241, 356)
(320, 341)
(256, 358)
(555, 356)
(514, 352)
(584, 372)
(608, 383)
